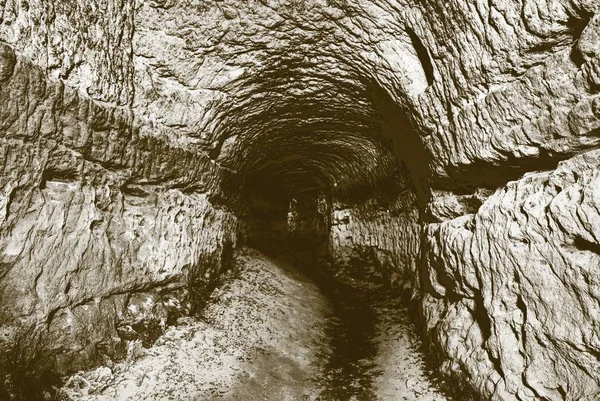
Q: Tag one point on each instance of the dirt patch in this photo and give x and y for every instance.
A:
(261, 335)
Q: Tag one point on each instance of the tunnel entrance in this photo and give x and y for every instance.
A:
(302, 141)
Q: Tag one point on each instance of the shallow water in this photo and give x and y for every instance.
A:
(349, 371)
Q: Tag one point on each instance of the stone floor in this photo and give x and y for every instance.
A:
(271, 333)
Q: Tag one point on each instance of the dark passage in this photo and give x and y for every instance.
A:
(350, 369)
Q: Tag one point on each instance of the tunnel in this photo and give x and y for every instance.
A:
(303, 143)
(313, 130)
(299, 200)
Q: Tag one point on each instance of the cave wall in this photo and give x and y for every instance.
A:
(379, 237)
(104, 228)
(519, 276)
(507, 238)
(506, 291)
(364, 242)
(133, 133)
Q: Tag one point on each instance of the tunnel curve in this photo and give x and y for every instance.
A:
(310, 121)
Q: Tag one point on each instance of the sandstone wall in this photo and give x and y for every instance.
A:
(507, 294)
(512, 289)
(103, 229)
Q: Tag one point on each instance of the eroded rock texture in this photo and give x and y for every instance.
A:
(522, 280)
(103, 227)
(448, 146)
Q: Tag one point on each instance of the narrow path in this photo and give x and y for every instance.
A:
(273, 334)
(351, 329)
(375, 351)
(349, 371)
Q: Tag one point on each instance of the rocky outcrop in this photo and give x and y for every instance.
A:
(521, 273)
(103, 228)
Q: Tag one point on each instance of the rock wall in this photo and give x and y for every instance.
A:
(507, 295)
(520, 274)
(103, 229)
(503, 272)
(379, 240)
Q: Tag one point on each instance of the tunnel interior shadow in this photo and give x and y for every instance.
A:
(349, 370)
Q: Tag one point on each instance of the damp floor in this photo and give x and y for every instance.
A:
(277, 330)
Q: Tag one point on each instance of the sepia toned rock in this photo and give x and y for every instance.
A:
(442, 152)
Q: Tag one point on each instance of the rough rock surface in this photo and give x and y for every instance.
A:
(364, 238)
(520, 272)
(97, 218)
(135, 135)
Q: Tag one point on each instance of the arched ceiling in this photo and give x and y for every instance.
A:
(288, 104)
(305, 131)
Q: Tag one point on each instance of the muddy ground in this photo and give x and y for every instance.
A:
(277, 330)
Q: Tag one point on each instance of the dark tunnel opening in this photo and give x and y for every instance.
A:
(301, 158)
(298, 133)
(309, 138)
